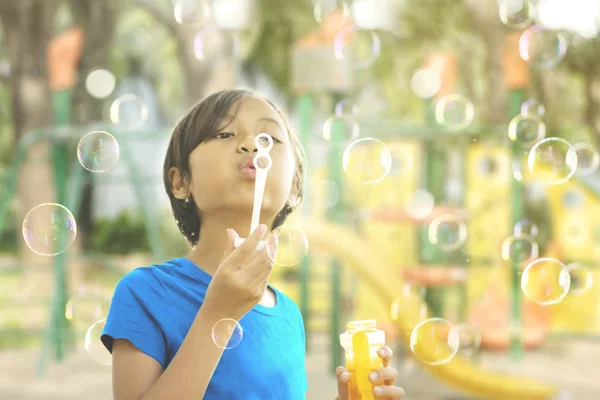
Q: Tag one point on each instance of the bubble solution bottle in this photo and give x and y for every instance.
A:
(361, 341)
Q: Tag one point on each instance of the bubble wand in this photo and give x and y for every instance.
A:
(264, 144)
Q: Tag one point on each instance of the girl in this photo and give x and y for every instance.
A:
(159, 327)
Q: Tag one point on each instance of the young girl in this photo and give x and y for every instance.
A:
(159, 327)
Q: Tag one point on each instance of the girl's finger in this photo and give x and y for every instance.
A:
(386, 355)
(390, 392)
(343, 377)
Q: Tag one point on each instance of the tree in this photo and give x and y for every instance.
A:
(28, 26)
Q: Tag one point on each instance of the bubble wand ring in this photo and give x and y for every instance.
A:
(264, 144)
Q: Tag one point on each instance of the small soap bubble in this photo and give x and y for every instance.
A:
(88, 305)
(227, 333)
(409, 308)
(359, 46)
(216, 44)
(420, 204)
(545, 281)
(552, 161)
(93, 344)
(454, 111)
(543, 48)
(100, 83)
(367, 161)
(526, 129)
(519, 249)
(581, 278)
(191, 13)
(128, 110)
(469, 338)
(344, 127)
(588, 159)
(98, 151)
(329, 192)
(448, 232)
(434, 341)
(426, 82)
(516, 14)
(525, 227)
(287, 245)
(346, 107)
(323, 8)
(49, 229)
(533, 108)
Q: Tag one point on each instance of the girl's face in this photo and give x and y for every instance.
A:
(219, 185)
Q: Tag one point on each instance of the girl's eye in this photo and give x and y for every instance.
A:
(223, 135)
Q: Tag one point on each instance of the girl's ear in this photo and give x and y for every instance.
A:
(179, 185)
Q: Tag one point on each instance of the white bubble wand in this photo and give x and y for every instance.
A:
(264, 144)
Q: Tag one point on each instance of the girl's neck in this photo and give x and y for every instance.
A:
(208, 253)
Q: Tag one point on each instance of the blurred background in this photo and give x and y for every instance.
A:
(452, 191)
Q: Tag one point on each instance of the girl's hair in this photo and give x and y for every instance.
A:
(205, 119)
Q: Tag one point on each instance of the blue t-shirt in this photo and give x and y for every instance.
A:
(154, 307)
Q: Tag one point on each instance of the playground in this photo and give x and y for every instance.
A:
(451, 192)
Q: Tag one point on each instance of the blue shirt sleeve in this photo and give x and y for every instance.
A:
(138, 311)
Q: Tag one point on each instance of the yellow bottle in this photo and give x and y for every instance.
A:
(361, 341)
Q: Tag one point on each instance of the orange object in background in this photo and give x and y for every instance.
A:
(516, 70)
(435, 276)
(492, 317)
(445, 64)
(63, 54)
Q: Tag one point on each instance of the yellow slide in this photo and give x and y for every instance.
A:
(459, 373)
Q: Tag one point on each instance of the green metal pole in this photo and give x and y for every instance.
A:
(305, 112)
(335, 214)
(515, 99)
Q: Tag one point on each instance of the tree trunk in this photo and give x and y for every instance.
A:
(592, 110)
(27, 26)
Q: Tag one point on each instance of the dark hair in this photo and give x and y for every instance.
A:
(203, 120)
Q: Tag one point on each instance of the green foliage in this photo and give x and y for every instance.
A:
(124, 235)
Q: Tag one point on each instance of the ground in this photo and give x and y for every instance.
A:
(571, 364)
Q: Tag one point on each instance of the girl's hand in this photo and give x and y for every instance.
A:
(387, 374)
(241, 279)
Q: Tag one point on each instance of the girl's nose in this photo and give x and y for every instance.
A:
(247, 145)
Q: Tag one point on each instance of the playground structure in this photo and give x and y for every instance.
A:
(354, 276)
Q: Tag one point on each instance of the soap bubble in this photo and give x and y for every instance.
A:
(323, 8)
(542, 47)
(98, 151)
(191, 13)
(434, 341)
(360, 46)
(448, 232)
(581, 278)
(345, 126)
(454, 111)
(588, 158)
(552, 161)
(367, 161)
(100, 83)
(213, 43)
(469, 338)
(330, 192)
(346, 107)
(420, 204)
(93, 345)
(287, 245)
(525, 227)
(227, 333)
(526, 129)
(516, 14)
(426, 82)
(49, 229)
(128, 110)
(533, 108)
(409, 307)
(519, 249)
(545, 281)
(87, 306)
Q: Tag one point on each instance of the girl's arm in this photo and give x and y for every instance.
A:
(137, 376)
